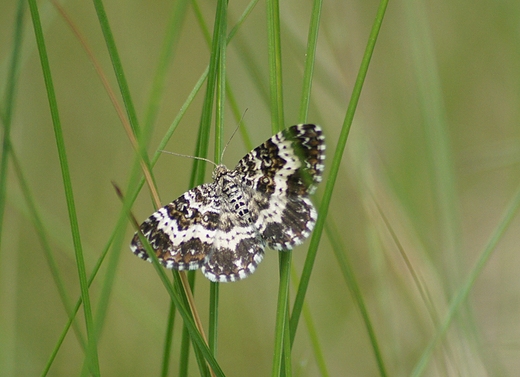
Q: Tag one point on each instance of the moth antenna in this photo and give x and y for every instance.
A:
(233, 134)
(188, 156)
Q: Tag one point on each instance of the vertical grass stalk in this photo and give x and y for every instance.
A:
(335, 165)
(91, 355)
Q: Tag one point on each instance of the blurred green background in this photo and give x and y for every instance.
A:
(431, 166)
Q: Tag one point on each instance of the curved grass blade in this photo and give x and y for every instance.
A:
(91, 355)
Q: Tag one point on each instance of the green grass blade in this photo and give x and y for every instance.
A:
(310, 58)
(220, 39)
(278, 123)
(117, 65)
(281, 361)
(199, 168)
(214, 295)
(335, 166)
(274, 46)
(286, 369)
(351, 282)
(91, 356)
(168, 339)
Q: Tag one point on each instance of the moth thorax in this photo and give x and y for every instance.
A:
(231, 189)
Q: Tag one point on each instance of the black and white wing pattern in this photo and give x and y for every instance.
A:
(224, 226)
